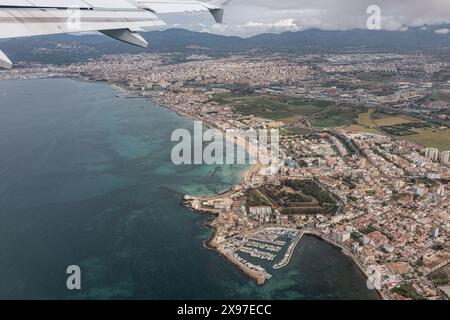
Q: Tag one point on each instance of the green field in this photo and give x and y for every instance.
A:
(383, 119)
(343, 116)
(279, 108)
(372, 121)
(321, 104)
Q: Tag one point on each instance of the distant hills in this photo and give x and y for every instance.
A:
(67, 48)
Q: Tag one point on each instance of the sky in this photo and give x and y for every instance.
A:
(249, 17)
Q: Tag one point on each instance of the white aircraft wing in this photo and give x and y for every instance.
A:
(119, 19)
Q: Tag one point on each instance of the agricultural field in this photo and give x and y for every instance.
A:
(317, 105)
(357, 128)
(364, 123)
(371, 122)
(344, 115)
(366, 118)
(431, 137)
(280, 108)
(383, 119)
(349, 117)
(295, 130)
(377, 76)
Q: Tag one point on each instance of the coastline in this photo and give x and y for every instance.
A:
(210, 243)
(258, 277)
(246, 174)
(346, 252)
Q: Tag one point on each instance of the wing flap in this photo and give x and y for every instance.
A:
(126, 36)
(174, 6)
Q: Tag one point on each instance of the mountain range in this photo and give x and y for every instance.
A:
(69, 48)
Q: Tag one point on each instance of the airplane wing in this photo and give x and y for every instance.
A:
(119, 19)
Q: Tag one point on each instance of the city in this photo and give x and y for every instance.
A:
(365, 160)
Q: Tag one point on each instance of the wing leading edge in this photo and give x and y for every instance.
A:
(119, 19)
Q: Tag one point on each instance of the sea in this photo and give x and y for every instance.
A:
(84, 179)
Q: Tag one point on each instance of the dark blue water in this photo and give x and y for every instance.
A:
(81, 172)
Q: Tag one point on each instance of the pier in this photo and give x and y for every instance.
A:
(169, 189)
(288, 255)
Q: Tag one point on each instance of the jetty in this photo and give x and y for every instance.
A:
(169, 189)
(290, 250)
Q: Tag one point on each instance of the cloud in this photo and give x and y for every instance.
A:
(442, 31)
(288, 24)
(285, 23)
(248, 17)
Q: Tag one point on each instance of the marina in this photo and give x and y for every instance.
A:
(263, 250)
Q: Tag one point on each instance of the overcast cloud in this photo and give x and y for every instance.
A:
(249, 17)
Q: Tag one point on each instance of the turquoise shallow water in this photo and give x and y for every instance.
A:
(80, 178)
